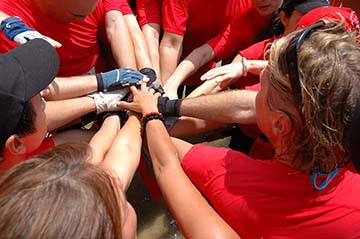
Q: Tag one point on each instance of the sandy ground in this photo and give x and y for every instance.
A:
(154, 219)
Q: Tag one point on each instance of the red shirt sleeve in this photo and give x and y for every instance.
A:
(256, 51)
(239, 34)
(148, 11)
(109, 5)
(175, 16)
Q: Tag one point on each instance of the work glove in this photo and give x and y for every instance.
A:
(14, 29)
(118, 78)
(108, 101)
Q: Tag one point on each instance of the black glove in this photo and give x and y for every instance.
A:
(153, 81)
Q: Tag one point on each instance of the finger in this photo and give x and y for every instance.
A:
(45, 92)
(152, 91)
(125, 105)
(143, 86)
(133, 89)
(52, 42)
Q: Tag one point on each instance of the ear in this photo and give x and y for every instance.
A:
(282, 125)
(15, 145)
(283, 18)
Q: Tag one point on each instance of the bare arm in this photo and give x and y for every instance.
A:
(196, 218)
(233, 106)
(151, 33)
(61, 112)
(119, 39)
(124, 155)
(138, 40)
(228, 74)
(102, 140)
(70, 87)
(196, 59)
(170, 53)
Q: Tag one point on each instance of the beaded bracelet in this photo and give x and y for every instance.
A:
(151, 116)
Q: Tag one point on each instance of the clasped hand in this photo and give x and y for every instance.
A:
(144, 100)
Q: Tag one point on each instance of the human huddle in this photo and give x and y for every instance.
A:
(300, 89)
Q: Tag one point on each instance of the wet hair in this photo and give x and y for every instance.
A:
(329, 75)
(58, 194)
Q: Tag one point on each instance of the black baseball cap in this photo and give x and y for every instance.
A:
(303, 6)
(24, 72)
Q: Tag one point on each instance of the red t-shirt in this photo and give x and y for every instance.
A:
(239, 34)
(125, 8)
(148, 11)
(266, 199)
(80, 48)
(199, 21)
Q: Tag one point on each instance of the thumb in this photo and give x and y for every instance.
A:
(124, 105)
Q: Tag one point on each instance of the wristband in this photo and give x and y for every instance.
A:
(169, 107)
(151, 116)
(100, 85)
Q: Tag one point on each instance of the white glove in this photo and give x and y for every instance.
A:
(108, 101)
(26, 36)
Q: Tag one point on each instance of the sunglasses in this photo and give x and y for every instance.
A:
(291, 56)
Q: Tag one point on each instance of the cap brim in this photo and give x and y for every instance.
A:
(310, 5)
(39, 64)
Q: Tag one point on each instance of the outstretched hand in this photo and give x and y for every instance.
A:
(144, 100)
(225, 75)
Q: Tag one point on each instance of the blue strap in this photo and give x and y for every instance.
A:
(325, 183)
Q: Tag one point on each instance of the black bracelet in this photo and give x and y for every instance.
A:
(151, 116)
(169, 107)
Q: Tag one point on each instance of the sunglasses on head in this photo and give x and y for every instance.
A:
(291, 56)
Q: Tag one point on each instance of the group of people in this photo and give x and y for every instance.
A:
(294, 75)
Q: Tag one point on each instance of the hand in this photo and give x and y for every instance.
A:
(108, 101)
(14, 29)
(170, 92)
(153, 80)
(144, 100)
(225, 75)
(118, 78)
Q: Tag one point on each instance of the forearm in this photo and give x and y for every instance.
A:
(234, 106)
(102, 140)
(151, 33)
(70, 87)
(120, 40)
(252, 66)
(61, 112)
(124, 155)
(196, 59)
(170, 53)
(178, 191)
(138, 40)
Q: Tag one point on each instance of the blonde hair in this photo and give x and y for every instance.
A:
(58, 194)
(329, 74)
